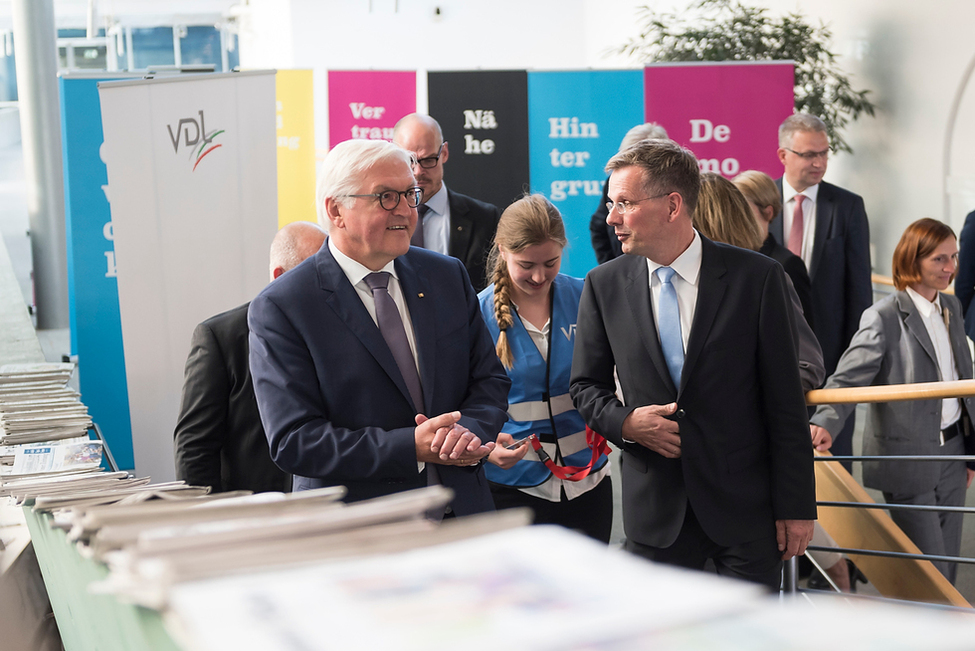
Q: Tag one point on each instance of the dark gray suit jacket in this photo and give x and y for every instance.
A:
(220, 441)
(840, 270)
(892, 346)
(472, 227)
(746, 459)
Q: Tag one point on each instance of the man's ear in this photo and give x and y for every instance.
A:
(334, 212)
(277, 271)
(445, 154)
(781, 153)
(674, 204)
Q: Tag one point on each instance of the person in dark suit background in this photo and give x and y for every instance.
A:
(965, 280)
(372, 366)
(219, 438)
(765, 201)
(450, 222)
(829, 231)
(914, 335)
(603, 236)
(716, 456)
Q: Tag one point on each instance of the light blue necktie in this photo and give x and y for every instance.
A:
(668, 324)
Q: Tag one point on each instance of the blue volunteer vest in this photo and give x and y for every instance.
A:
(528, 411)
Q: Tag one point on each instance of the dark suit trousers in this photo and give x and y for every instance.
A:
(758, 561)
(934, 532)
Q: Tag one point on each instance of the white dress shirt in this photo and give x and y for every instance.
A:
(932, 315)
(436, 224)
(687, 268)
(808, 218)
(356, 273)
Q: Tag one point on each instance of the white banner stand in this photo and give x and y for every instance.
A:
(192, 182)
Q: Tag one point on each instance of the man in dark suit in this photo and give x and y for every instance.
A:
(717, 461)
(965, 280)
(826, 226)
(219, 438)
(372, 365)
(450, 223)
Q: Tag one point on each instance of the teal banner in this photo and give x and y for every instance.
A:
(576, 121)
(96, 327)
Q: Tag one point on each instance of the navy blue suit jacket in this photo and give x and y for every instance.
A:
(840, 269)
(333, 402)
(965, 280)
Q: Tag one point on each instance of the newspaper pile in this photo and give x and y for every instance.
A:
(37, 406)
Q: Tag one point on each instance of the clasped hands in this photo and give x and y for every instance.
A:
(443, 440)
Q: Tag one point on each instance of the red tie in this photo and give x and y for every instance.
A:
(795, 235)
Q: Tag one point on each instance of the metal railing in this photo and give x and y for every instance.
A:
(918, 391)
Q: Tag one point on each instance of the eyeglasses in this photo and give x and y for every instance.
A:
(431, 161)
(810, 155)
(390, 198)
(623, 206)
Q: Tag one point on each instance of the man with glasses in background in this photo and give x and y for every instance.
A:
(450, 223)
(826, 226)
(372, 366)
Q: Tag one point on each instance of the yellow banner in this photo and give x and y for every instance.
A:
(296, 147)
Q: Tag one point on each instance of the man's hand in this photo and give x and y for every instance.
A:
(969, 474)
(648, 427)
(821, 439)
(504, 458)
(442, 440)
(792, 536)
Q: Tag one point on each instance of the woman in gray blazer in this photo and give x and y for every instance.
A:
(914, 335)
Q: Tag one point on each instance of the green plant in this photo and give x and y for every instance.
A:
(727, 30)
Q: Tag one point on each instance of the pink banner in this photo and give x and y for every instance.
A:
(727, 114)
(367, 104)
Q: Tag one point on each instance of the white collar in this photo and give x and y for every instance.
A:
(356, 271)
(788, 192)
(924, 306)
(687, 265)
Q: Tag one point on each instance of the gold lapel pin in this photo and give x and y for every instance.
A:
(420, 295)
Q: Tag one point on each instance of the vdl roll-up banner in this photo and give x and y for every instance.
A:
(728, 114)
(192, 181)
(484, 118)
(96, 328)
(576, 121)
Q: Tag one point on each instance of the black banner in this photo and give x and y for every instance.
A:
(484, 117)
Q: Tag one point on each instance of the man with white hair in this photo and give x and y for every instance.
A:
(372, 366)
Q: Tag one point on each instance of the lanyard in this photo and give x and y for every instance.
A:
(595, 441)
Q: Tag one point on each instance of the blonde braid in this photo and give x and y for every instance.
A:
(502, 311)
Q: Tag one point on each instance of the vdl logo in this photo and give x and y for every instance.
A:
(194, 133)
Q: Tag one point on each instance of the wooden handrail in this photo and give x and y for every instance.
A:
(878, 279)
(892, 392)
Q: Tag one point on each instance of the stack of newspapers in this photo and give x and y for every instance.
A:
(37, 406)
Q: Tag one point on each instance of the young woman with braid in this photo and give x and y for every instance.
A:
(530, 310)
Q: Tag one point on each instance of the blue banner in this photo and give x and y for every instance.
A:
(576, 121)
(96, 329)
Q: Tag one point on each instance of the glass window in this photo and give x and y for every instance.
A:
(152, 46)
(201, 44)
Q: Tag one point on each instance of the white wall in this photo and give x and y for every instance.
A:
(912, 59)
